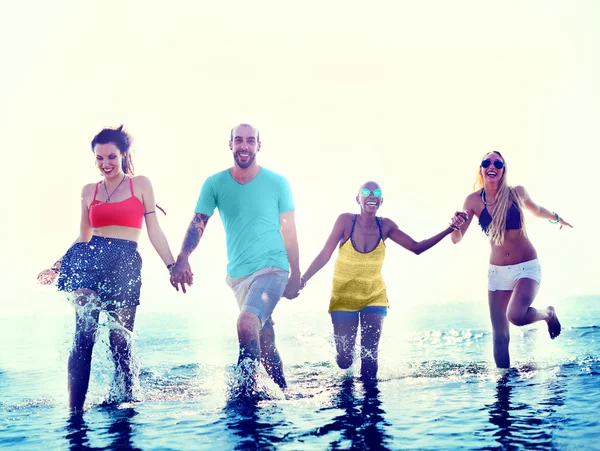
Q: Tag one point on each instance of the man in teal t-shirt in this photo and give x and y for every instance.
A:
(257, 210)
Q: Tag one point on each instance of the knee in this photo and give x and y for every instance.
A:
(516, 317)
(267, 341)
(248, 325)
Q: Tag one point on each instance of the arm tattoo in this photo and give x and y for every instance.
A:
(194, 233)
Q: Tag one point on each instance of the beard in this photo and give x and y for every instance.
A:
(242, 164)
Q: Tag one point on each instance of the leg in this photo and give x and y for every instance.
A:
(345, 327)
(520, 312)
(498, 302)
(370, 333)
(80, 360)
(264, 291)
(120, 345)
(269, 355)
(248, 327)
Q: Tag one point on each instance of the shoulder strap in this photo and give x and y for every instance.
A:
(353, 224)
(96, 191)
(379, 224)
(131, 185)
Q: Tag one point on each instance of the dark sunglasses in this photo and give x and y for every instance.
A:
(367, 192)
(498, 164)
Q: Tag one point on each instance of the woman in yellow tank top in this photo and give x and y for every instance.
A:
(358, 292)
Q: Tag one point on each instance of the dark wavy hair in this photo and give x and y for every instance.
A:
(120, 138)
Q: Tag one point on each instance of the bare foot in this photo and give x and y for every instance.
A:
(553, 323)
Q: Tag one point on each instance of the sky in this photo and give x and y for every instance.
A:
(409, 94)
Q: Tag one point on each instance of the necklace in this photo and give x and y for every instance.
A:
(106, 189)
(483, 198)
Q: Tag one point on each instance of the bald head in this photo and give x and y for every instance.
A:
(369, 185)
(233, 133)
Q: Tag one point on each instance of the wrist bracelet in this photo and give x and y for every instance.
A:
(170, 266)
(557, 218)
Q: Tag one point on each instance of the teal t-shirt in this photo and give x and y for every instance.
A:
(250, 215)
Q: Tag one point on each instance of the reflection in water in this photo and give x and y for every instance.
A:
(77, 430)
(518, 424)
(362, 423)
(244, 421)
(120, 431)
(121, 428)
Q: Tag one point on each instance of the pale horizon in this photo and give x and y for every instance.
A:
(410, 95)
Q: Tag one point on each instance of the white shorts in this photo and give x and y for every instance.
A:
(506, 277)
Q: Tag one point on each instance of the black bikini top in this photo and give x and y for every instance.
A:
(513, 217)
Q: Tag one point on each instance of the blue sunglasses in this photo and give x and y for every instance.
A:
(367, 192)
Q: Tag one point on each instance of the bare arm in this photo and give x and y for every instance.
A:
(290, 241)
(155, 233)
(182, 273)
(457, 235)
(404, 240)
(537, 210)
(193, 235)
(323, 257)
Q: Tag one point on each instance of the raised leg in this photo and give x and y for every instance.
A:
(345, 327)
(520, 312)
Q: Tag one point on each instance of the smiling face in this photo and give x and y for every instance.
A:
(495, 169)
(244, 144)
(109, 160)
(370, 201)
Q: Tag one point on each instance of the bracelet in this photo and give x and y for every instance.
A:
(557, 218)
(170, 266)
(454, 227)
(55, 269)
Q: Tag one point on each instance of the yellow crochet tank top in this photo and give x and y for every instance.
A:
(357, 280)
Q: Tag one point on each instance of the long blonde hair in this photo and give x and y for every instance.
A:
(505, 197)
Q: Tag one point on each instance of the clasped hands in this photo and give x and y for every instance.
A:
(182, 275)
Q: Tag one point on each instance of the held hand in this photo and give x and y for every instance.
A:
(47, 276)
(292, 289)
(302, 283)
(181, 274)
(459, 218)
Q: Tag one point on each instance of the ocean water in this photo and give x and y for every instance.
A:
(438, 387)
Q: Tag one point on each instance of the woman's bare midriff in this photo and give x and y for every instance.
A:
(118, 232)
(516, 249)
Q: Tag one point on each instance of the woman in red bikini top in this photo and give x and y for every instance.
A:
(102, 270)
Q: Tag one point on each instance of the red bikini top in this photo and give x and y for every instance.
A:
(127, 213)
